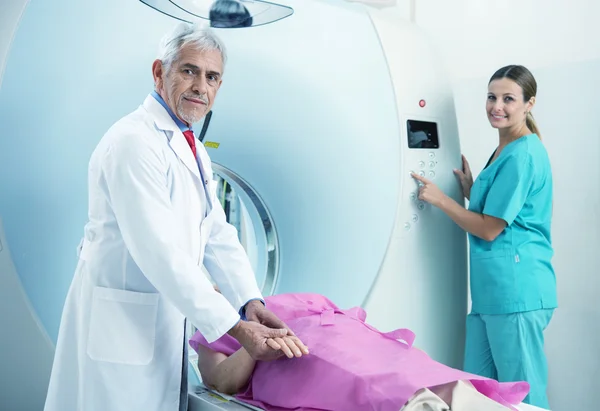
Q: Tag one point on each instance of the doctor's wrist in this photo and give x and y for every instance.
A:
(253, 303)
(237, 330)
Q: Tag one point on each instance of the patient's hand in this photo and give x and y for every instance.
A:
(254, 337)
(290, 345)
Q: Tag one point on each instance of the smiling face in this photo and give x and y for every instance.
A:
(506, 106)
(190, 84)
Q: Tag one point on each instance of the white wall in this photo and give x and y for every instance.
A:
(560, 43)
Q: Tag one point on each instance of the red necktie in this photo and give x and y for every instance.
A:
(189, 136)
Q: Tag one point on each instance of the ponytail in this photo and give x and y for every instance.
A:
(532, 125)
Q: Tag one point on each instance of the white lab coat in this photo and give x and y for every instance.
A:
(139, 272)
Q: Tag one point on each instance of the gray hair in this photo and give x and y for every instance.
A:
(185, 33)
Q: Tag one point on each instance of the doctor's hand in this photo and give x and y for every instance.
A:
(466, 178)
(429, 192)
(257, 312)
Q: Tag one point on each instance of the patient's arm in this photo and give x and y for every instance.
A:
(228, 375)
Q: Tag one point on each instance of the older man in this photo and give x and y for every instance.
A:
(153, 222)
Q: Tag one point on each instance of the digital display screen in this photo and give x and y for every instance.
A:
(422, 134)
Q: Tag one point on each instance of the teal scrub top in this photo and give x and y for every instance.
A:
(514, 273)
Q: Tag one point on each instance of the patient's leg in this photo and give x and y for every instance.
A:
(425, 400)
(455, 396)
(462, 396)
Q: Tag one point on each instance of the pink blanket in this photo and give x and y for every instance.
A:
(351, 365)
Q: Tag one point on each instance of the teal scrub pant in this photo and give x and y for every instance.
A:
(508, 348)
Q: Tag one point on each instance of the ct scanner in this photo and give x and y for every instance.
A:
(325, 109)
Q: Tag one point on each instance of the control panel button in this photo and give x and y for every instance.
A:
(421, 164)
(406, 226)
(421, 205)
(415, 218)
(432, 155)
(413, 196)
(422, 173)
(431, 164)
(431, 174)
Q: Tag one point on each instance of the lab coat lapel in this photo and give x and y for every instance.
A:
(181, 147)
(204, 163)
(178, 143)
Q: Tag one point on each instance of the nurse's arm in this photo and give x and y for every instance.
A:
(228, 375)
(483, 226)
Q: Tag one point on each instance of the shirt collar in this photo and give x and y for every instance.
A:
(182, 126)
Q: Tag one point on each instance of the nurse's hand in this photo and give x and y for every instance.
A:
(466, 178)
(429, 192)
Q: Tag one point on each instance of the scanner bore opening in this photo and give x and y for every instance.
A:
(246, 211)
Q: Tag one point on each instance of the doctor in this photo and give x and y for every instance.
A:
(153, 222)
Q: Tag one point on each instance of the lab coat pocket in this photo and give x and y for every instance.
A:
(122, 326)
(493, 276)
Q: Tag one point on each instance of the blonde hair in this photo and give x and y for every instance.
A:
(531, 124)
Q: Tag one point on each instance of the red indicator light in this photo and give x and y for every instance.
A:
(422, 103)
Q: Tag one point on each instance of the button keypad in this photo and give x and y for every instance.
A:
(425, 167)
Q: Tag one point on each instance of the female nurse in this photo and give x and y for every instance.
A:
(513, 286)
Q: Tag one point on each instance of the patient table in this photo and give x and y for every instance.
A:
(203, 399)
